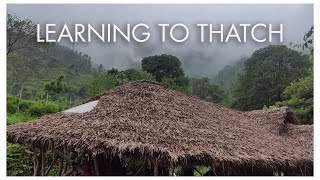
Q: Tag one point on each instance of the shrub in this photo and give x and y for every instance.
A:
(25, 105)
(12, 103)
(19, 161)
(41, 108)
(17, 117)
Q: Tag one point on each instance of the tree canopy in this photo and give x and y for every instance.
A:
(266, 75)
(163, 66)
(207, 90)
(299, 94)
(20, 33)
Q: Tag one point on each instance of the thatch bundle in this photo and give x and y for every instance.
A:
(147, 120)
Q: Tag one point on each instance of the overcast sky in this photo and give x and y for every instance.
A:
(198, 59)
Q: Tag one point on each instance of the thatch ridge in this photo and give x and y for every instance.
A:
(149, 120)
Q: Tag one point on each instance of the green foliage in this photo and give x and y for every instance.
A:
(201, 170)
(308, 39)
(19, 160)
(40, 108)
(29, 109)
(133, 75)
(266, 75)
(172, 84)
(299, 97)
(54, 87)
(167, 70)
(207, 90)
(162, 66)
(18, 117)
(176, 171)
(25, 105)
(12, 104)
(101, 82)
(299, 94)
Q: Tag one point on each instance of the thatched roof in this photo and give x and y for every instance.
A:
(151, 121)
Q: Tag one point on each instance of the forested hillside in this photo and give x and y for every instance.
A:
(42, 65)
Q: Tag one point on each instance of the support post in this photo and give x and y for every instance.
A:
(96, 165)
(43, 167)
(173, 168)
(50, 166)
(155, 168)
(60, 166)
(36, 163)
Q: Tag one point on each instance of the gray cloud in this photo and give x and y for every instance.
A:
(198, 59)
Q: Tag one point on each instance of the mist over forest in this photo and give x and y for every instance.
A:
(198, 59)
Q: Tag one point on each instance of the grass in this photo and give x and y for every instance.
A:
(18, 117)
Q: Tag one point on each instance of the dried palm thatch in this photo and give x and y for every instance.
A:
(150, 121)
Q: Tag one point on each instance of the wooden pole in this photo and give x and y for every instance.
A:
(173, 168)
(60, 166)
(43, 168)
(35, 163)
(50, 166)
(68, 172)
(96, 166)
(155, 168)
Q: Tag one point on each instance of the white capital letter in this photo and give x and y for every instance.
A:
(163, 31)
(186, 32)
(68, 35)
(233, 29)
(79, 33)
(38, 34)
(202, 31)
(252, 32)
(244, 31)
(275, 32)
(216, 32)
(90, 28)
(49, 32)
(146, 34)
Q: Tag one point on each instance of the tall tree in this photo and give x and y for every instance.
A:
(100, 69)
(54, 87)
(207, 90)
(299, 94)
(266, 74)
(163, 66)
(20, 33)
(21, 68)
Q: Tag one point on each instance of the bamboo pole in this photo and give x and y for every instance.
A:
(35, 163)
(43, 168)
(155, 168)
(50, 166)
(68, 172)
(64, 156)
(60, 166)
(96, 165)
(173, 168)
